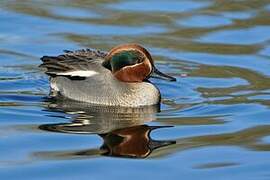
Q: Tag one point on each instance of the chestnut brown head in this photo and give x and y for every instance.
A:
(132, 63)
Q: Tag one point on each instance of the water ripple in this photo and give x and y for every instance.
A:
(212, 122)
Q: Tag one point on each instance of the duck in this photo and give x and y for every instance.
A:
(119, 77)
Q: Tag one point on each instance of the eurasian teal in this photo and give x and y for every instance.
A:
(117, 78)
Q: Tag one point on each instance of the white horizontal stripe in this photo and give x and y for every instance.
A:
(79, 73)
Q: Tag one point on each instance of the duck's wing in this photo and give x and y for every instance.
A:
(80, 63)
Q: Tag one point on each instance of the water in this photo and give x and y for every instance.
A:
(213, 122)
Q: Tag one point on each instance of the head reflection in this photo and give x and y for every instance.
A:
(132, 142)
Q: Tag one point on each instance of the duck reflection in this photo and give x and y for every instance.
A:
(122, 130)
(132, 142)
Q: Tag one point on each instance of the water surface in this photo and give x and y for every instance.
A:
(213, 123)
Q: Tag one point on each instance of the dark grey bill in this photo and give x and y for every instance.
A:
(160, 75)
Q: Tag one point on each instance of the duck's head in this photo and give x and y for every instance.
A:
(132, 63)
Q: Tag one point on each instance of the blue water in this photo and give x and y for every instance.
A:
(213, 122)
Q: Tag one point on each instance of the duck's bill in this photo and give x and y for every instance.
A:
(154, 144)
(160, 75)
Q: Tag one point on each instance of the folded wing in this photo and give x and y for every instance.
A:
(80, 63)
